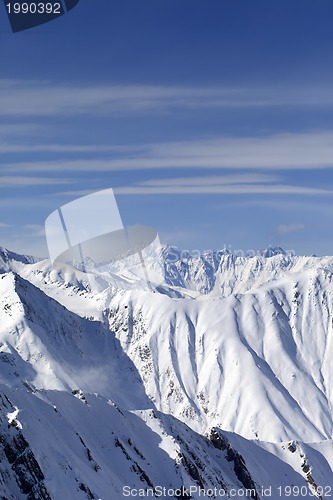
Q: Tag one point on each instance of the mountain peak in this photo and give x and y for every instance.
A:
(272, 251)
(8, 258)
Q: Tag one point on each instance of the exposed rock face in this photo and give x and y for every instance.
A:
(18, 458)
(241, 471)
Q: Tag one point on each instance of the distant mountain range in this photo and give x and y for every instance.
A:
(219, 381)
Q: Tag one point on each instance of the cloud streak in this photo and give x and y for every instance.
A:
(220, 189)
(251, 183)
(19, 98)
(37, 230)
(286, 229)
(25, 181)
(274, 152)
(61, 148)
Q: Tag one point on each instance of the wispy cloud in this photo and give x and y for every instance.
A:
(9, 130)
(28, 202)
(274, 152)
(24, 181)
(180, 235)
(22, 98)
(61, 148)
(220, 180)
(37, 230)
(222, 189)
(286, 229)
(43, 98)
(278, 151)
(242, 183)
(251, 183)
(4, 225)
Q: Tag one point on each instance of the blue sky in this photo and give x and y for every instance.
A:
(212, 120)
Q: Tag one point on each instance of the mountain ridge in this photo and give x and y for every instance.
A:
(182, 369)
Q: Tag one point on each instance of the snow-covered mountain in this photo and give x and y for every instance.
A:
(220, 380)
(222, 273)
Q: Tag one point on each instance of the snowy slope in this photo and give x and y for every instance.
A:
(93, 448)
(50, 347)
(216, 393)
(239, 362)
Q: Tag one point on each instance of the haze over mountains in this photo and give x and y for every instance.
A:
(220, 379)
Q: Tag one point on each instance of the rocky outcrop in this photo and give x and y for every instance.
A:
(17, 458)
(243, 475)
